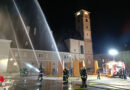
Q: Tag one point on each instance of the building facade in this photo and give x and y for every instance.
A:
(24, 56)
(84, 27)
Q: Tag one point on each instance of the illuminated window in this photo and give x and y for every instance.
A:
(86, 13)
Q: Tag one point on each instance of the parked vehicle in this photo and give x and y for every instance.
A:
(114, 68)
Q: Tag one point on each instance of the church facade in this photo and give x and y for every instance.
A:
(80, 53)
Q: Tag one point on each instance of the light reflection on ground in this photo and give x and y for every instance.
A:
(33, 84)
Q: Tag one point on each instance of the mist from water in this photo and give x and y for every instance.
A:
(16, 16)
(26, 33)
(49, 30)
(51, 37)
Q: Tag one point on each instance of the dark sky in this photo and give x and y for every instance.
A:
(110, 21)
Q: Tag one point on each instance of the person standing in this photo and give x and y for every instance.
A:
(98, 74)
(40, 77)
(83, 74)
(124, 74)
(65, 76)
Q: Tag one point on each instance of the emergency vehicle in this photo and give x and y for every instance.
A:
(114, 68)
(2, 83)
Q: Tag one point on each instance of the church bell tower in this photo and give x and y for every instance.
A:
(84, 27)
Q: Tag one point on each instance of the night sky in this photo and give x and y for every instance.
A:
(110, 21)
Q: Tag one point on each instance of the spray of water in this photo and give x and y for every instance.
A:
(26, 31)
(49, 30)
(16, 41)
(32, 67)
(13, 57)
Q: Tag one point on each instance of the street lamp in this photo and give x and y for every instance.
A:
(113, 52)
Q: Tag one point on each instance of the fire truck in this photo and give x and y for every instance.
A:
(2, 83)
(114, 68)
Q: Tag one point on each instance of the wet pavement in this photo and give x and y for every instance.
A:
(33, 84)
(55, 83)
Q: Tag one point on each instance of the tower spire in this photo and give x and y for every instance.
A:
(84, 27)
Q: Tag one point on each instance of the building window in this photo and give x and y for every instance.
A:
(46, 56)
(65, 64)
(86, 20)
(16, 54)
(40, 55)
(65, 57)
(82, 49)
(25, 54)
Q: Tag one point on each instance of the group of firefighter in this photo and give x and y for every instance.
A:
(122, 74)
(24, 71)
(83, 74)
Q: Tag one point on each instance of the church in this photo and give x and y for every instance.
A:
(80, 52)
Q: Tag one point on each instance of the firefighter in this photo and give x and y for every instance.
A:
(25, 71)
(83, 74)
(40, 77)
(65, 76)
(21, 72)
(124, 74)
(121, 73)
(2, 81)
(98, 72)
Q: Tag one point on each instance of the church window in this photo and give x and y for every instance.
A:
(87, 34)
(86, 20)
(82, 49)
(65, 57)
(40, 55)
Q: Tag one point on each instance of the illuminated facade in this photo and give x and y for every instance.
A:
(84, 27)
(80, 50)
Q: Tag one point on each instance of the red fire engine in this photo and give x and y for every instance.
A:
(114, 68)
